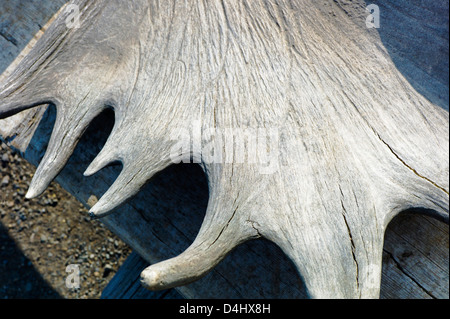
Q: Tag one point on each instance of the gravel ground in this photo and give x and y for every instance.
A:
(39, 238)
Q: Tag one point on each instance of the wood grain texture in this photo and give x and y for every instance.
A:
(358, 144)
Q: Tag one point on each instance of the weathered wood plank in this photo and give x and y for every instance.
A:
(417, 256)
(418, 54)
(22, 23)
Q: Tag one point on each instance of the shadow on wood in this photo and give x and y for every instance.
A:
(415, 33)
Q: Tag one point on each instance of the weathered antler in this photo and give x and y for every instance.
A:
(335, 141)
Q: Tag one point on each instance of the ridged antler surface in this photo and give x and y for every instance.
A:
(337, 142)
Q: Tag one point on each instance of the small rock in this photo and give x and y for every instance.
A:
(43, 238)
(5, 158)
(108, 269)
(92, 200)
(5, 181)
(22, 216)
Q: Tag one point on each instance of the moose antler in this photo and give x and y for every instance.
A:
(308, 134)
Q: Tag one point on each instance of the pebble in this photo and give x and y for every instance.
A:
(5, 181)
(48, 229)
(22, 217)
